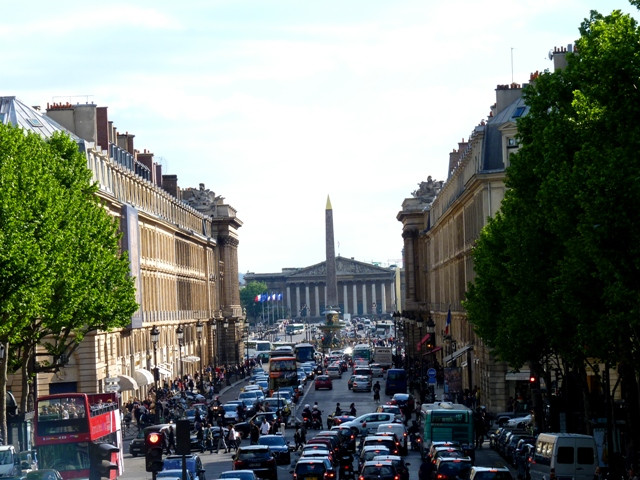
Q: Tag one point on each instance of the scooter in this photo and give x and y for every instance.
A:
(416, 441)
(346, 467)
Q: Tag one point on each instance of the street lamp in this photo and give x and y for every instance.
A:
(180, 334)
(199, 328)
(214, 327)
(225, 325)
(155, 336)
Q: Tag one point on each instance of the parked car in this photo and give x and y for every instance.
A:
(257, 458)
(323, 381)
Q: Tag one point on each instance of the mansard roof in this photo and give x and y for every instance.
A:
(492, 157)
(17, 113)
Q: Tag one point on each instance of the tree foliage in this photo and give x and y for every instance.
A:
(557, 270)
(62, 273)
(248, 295)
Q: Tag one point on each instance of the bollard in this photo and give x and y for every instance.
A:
(282, 429)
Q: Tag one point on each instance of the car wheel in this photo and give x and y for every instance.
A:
(331, 387)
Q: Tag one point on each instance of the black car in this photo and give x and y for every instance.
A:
(313, 468)
(448, 468)
(279, 446)
(138, 444)
(257, 458)
(378, 470)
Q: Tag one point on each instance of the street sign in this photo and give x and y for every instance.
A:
(114, 387)
(432, 380)
(431, 373)
(112, 380)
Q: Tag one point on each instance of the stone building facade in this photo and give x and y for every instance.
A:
(183, 256)
(439, 230)
(363, 289)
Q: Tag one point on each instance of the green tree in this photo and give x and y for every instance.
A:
(62, 272)
(561, 260)
(247, 298)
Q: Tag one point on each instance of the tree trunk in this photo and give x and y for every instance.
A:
(4, 348)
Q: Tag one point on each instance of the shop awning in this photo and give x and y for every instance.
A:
(457, 353)
(190, 359)
(127, 383)
(434, 350)
(164, 369)
(143, 377)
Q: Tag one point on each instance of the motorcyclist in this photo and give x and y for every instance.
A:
(316, 415)
(338, 411)
(306, 411)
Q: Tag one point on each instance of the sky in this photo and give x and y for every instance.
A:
(278, 104)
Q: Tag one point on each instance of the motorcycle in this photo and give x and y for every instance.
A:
(316, 423)
(347, 471)
(306, 422)
(416, 441)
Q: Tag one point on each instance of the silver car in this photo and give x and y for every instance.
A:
(362, 383)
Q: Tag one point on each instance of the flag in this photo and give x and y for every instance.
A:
(279, 296)
(448, 324)
(257, 299)
(263, 297)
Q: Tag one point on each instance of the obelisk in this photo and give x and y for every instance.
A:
(332, 280)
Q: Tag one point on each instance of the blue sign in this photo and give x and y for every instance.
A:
(431, 373)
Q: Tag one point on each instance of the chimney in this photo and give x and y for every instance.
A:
(125, 142)
(170, 185)
(157, 174)
(102, 125)
(506, 95)
(146, 158)
(559, 56)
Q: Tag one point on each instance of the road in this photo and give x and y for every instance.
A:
(216, 463)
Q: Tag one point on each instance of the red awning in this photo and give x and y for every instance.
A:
(436, 349)
(424, 339)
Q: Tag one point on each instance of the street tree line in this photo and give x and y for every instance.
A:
(557, 282)
(62, 273)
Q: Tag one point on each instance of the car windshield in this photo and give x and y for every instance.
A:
(453, 468)
(488, 475)
(238, 474)
(229, 408)
(253, 454)
(271, 441)
(380, 470)
(176, 464)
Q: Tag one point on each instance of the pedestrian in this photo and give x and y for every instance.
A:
(231, 439)
(376, 392)
(208, 437)
(297, 438)
(352, 410)
(265, 427)
(221, 440)
(338, 411)
(171, 444)
(254, 433)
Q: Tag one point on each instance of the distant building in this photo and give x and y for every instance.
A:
(363, 289)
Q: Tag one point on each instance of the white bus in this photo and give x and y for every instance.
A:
(256, 347)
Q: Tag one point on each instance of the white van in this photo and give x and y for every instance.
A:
(570, 454)
(9, 461)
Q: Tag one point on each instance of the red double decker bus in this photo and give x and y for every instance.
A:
(79, 435)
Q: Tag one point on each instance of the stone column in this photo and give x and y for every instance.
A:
(374, 298)
(289, 299)
(365, 305)
(383, 298)
(298, 306)
(307, 298)
(316, 292)
(354, 289)
(345, 298)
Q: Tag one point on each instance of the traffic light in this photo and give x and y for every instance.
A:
(183, 437)
(100, 460)
(155, 444)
